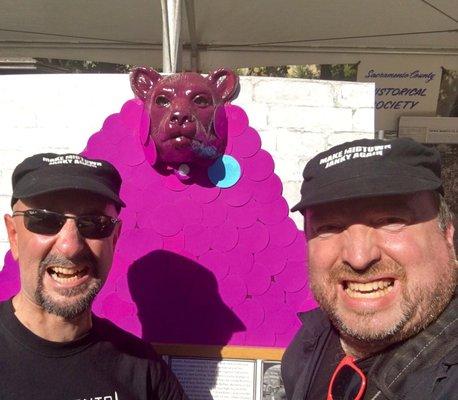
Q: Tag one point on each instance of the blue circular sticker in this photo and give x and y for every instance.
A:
(225, 171)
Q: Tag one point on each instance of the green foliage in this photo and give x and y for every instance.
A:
(338, 72)
(447, 103)
(79, 66)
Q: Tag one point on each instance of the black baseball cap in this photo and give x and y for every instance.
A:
(370, 167)
(50, 172)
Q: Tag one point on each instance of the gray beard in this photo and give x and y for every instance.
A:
(84, 294)
(417, 313)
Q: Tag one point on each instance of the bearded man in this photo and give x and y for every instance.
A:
(63, 231)
(383, 269)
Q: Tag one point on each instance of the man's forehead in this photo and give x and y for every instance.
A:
(358, 206)
(68, 200)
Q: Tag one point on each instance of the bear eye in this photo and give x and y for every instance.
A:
(162, 101)
(201, 101)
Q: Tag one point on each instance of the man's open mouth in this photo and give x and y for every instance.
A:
(66, 275)
(368, 290)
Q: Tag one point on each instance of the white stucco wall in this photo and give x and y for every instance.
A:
(296, 119)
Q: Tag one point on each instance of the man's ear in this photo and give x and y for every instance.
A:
(142, 80)
(12, 235)
(116, 233)
(449, 236)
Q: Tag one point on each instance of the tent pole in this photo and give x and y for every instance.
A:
(171, 28)
(191, 17)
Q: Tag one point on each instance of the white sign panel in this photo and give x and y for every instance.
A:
(401, 88)
(207, 379)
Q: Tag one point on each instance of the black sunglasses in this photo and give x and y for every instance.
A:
(46, 222)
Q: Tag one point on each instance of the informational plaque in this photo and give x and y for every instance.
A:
(226, 373)
(204, 379)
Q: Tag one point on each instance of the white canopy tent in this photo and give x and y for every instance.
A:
(235, 33)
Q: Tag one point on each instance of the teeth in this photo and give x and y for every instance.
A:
(67, 271)
(369, 290)
(62, 274)
(65, 280)
(179, 138)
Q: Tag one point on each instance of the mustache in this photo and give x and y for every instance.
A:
(55, 259)
(344, 272)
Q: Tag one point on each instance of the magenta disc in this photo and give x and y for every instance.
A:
(284, 233)
(293, 277)
(251, 312)
(131, 112)
(174, 243)
(239, 194)
(268, 190)
(224, 237)
(10, 269)
(114, 129)
(233, 290)
(258, 280)
(261, 336)
(203, 194)
(122, 288)
(229, 145)
(280, 319)
(230, 120)
(260, 166)
(173, 183)
(273, 258)
(297, 249)
(9, 289)
(131, 324)
(273, 213)
(96, 142)
(216, 262)
(114, 308)
(166, 220)
(246, 145)
(300, 299)
(243, 216)
(197, 239)
(144, 129)
(139, 242)
(143, 177)
(130, 152)
(254, 238)
(191, 212)
(240, 262)
(214, 213)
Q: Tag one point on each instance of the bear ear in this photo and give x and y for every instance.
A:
(142, 80)
(225, 82)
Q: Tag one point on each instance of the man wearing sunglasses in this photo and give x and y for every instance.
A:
(383, 269)
(63, 231)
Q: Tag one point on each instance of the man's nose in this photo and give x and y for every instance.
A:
(69, 242)
(361, 248)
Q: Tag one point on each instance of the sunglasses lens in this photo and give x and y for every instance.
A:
(43, 222)
(95, 226)
(346, 384)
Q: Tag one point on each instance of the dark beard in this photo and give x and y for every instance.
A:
(420, 307)
(83, 295)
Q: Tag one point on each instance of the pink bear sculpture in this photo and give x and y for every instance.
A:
(207, 254)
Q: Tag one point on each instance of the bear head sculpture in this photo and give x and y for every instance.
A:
(182, 108)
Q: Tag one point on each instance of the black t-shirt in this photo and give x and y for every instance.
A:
(106, 364)
(330, 358)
